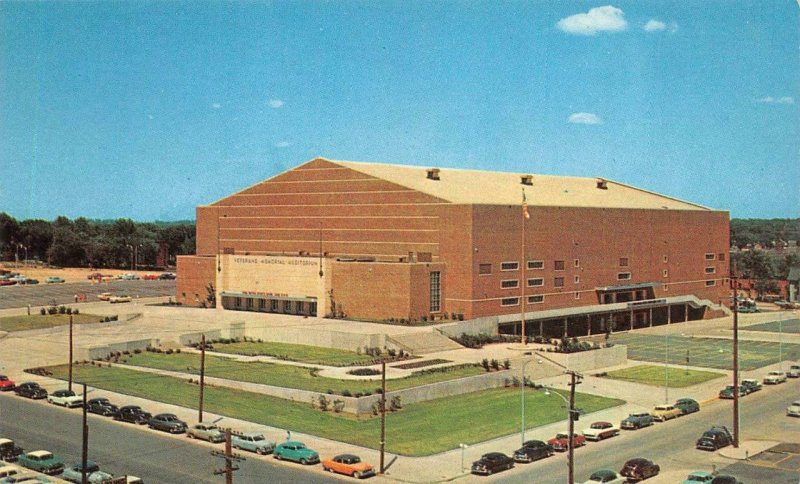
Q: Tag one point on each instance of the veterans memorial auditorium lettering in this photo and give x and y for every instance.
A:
(270, 260)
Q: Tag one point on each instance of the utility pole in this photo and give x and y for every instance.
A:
(69, 386)
(85, 450)
(229, 458)
(202, 374)
(735, 363)
(383, 411)
(572, 414)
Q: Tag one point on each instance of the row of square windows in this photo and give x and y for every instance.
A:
(559, 281)
(559, 265)
(538, 299)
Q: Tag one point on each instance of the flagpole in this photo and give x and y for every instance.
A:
(522, 267)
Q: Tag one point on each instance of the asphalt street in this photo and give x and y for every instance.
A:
(43, 294)
(671, 444)
(122, 448)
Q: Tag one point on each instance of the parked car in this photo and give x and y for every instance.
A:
(101, 406)
(42, 461)
(793, 410)
(727, 392)
(150, 277)
(662, 413)
(560, 442)
(639, 469)
(252, 441)
(6, 384)
(636, 421)
(492, 462)
(54, 280)
(167, 422)
(775, 377)
(7, 282)
(129, 277)
(600, 431)
(31, 282)
(725, 480)
(9, 451)
(750, 385)
(749, 309)
(8, 471)
(132, 414)
(794, 371)
(532, 450)
(119, 299)
(65, 398)
(104, 296)
(687, 405)
(605, 476)
(714, 438)
(94, 475)
(30, 390)
(206, 431)
(698, 476)
(295, 451)
(349, 465)
(167, 276)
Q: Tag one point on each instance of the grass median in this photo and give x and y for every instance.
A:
(38, 321)
(294, 352)
(416, 430)
(655, 375)
(287, 376)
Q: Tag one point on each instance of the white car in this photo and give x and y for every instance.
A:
(793, 410)
(65, 398)
(775, 377)
(119, 299)
(600, 430)
(794, 371)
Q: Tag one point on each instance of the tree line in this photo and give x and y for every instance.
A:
(746, 231)
(93, 243)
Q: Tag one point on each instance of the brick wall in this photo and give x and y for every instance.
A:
(194, 275)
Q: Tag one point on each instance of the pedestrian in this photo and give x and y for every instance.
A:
(29, 309)
(76, 298)
(288, 435)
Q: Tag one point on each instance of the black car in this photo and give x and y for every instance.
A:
(132, 414)
(492, 462)
(101, 406)
(30, 390)
(532, 450)
(715, 438)
(9, 451)
(167, 422)
(168, 276)
(639, 469)
(725, 480)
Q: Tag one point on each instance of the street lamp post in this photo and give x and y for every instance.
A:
(463, 447)
(666, 368)
(522, 401)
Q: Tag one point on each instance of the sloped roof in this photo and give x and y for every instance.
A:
(504, 188)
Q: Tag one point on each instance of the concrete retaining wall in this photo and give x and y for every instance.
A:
(95, 352)
(593, 359)
(326, 339)
(487, 325)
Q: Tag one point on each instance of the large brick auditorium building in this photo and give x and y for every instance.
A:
(380, 241)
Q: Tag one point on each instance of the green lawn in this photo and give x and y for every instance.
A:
(416, 430)
(704, 352)
(288, 376)
(37, 321)
(294, 352)
(654, 375)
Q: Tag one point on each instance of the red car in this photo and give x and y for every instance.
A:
(7, 282)
(560, 442)
(6, 384)
(150, 277)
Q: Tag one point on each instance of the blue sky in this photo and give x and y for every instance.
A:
(147, 109)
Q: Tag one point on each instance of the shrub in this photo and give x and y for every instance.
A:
(329, 392)
(507, 364)
(43, 311)
(392, 352)
(495, 365)
(69, 310)
(364, 372)
(62, 309)
(358, 395)
(338, 406)
(346, 393)
(75, 311)
(52, 310)
(506, 382)
(514, 381)
(137, 351)
(323, 403)
(485, 364)
(379, 390)
(395, 403)
(177, 350)
(169, 351)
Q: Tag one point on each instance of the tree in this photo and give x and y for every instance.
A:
(755, 264)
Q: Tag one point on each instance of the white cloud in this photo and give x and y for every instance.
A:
(584, 118)
(216, 105)
(777, 100)
(599, 19)
(653, 25)
(282, 144)
(275, 103)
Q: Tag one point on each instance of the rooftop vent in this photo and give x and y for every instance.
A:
(433, 173)
(602, 184)
(526, 180)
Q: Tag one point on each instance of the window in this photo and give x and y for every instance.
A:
(710, 256)
(666, 273)
(710, 283)
(249, 302)
(721, 257)
(665, 287)
(577, 295)
(558, 265)
(484, 269)
(666, 259)
(262, 304)
(509, 301)
(301, 307)
(623, 276)
(273, 305)
(509, 266)
(710, 270)
(237, 302)
(623, 262)
(535, 264)
(509, 283)
(558, 282)
(535, 299)
(577, 263)
(577, 279)
(436, 291)
(287, 306)
(536, 282)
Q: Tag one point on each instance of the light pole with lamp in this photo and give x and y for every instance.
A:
(463, 447)
(522, 400)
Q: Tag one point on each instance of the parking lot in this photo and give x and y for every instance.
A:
(779, 464)
(46, 294)
(787, 326)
